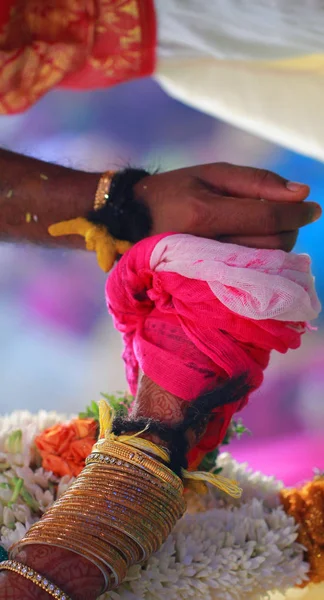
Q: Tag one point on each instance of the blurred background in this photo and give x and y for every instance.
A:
(58, 349)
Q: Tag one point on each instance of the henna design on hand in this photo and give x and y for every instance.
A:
(75, 575)
(155, 402)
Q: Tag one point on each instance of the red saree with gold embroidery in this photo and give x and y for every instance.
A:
(80, 44)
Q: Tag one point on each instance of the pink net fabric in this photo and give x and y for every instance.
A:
(194, 312)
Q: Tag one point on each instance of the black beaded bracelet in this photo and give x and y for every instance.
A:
(124, 216)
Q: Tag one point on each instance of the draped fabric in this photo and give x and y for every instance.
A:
(80, 44)
(194, 312)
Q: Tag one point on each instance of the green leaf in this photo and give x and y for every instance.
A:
(95, 408)
(236, 429)
(239, 429)
(18, 485)
(119, 403)
(209, 461)
(29, 500)
(13, 443)
(217, 471)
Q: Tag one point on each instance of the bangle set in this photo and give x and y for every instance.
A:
(119, 510)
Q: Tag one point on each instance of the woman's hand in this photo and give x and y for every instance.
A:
(74, 574)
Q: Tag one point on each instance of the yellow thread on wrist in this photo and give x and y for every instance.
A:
(196, 480)
(96, 237)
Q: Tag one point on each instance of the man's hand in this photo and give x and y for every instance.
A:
(242, 205)
(219, 201)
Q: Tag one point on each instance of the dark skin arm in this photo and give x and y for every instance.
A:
(218, 201)
(75, 575)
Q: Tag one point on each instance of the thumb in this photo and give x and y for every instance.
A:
(249, 182)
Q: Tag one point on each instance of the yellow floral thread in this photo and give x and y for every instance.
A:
(195, 480)
(97, 240)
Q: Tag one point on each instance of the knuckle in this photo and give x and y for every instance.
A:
(271, 220)
(198, 215)
(289, 240)
(262, 178)
(224, 165)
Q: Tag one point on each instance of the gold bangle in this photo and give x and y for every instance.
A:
(121, 543)
(126, 544)
(107, 479)
(143, 539)
(152, 519)
(107, 576)
(154, 507)
(163, 517)
(102, 192)
(136, 540)
(34, 577)
(138, 537)
(114, 563)
(124, 518)
(117, 453)
(111, 506)
(134, 476)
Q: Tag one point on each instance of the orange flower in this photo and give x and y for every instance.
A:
(64, 447)
(306, 505)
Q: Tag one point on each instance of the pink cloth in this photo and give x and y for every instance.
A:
(258, 284)
(180, 331)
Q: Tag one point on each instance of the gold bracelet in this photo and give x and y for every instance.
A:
(153, 507)
(106, 488)
(114, 564)
(120, 543)
(117, 453)
(141, 540)
(145, 539)
(115, 516)
(134, 476)
(154, 495)
(102, 193)
(18, 546)
(150, 530)
(133, 547)
(34, 577)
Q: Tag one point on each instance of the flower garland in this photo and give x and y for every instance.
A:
(222, 549)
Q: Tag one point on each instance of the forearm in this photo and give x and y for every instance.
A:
(75, 575)
(35, 194)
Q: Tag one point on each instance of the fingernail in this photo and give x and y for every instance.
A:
(294, 186)
(316, 213)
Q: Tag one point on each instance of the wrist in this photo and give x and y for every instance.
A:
(14, 587)
(120, 209)
(74, 574)
(34, 194)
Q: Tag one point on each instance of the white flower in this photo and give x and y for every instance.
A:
(22, 513)
(11, 536)
(220, 550)
(229, 553)
(64, 484)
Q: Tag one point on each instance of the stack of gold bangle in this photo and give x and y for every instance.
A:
(120, 510)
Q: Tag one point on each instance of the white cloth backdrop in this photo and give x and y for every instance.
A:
(257, 64)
